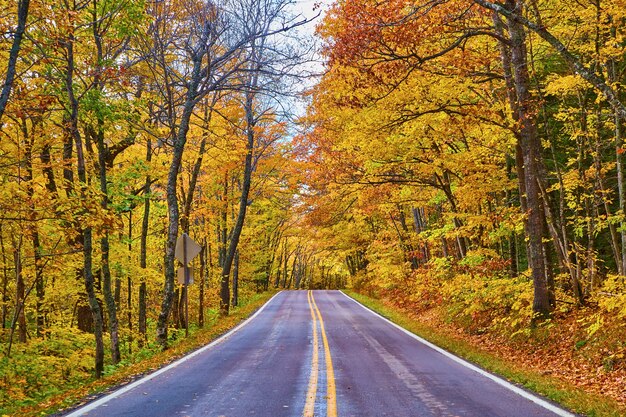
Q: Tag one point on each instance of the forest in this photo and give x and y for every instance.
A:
(460, 159)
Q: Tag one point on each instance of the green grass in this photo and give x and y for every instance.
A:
(559, 391)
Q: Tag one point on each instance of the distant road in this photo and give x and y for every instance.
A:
(319, 354)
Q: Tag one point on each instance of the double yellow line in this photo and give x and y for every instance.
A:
(331, 393)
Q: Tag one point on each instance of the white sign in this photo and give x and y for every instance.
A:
(186, 249)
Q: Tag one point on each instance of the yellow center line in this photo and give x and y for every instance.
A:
(309, 406)
(331, 394)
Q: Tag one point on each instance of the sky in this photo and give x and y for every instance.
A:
(310, 9)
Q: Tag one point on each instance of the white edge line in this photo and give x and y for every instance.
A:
(539, 401)
(93, 405)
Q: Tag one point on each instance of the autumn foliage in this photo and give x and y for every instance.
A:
(465, 157)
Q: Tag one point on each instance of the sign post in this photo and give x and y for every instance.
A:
(186, 249)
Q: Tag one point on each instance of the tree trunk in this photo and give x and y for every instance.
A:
(40, 289)
(176, 306)
(5, 282)
(129, 284)
(621, 190)
(292, 277)
(600, 193)
(143, 322)
(34, 231)
(285, 266)
(68, 152)
(173, 220)
(143, 251)
(419, 224)
(193, 180)
(202, 283)
(20, 299)
(445, 185)
(22, 16)
(182, 303)
(110, 300)
(505, 57)
(86, 233)
(117, 293)
(243, 204)
(235, 300)
(280, 264)
(180, 139)
(531, 152)
(619, 168)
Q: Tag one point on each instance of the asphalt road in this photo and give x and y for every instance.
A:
(319, 354)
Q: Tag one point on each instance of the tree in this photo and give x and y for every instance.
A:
(215, 60)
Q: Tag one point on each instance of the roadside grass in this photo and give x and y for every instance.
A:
(143, 361)
(559, 391)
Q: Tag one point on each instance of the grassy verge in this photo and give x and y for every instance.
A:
(559, 391)
(147, 360)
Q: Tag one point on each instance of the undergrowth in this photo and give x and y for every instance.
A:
(56, 371)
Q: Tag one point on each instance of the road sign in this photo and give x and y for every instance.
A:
(181, 275)
(186, 249)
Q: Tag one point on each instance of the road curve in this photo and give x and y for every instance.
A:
(319, 354)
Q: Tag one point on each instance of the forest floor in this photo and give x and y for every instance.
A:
(561, 361)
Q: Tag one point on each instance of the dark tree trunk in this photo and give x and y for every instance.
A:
(285, 266)
(5, 282)
(235, 301)
(111, 300)
(179, 137)
(84, 318)
(193, 180)
(48, 172)
(22, 16)
(143, 322)
(86, 233)
(176, 308)
(173, 212)
(512, 239)
(68, 151)
(129, 284)
(185, 221)
(182, 302)
(40, 289)
(292, 277)
(279, 271)
(117, 293)
(531, 152)
(256, 49)
(19, 315)
(419, 223)
(446, 187)
(619, 168)
(34, 231)
(202, 283)
(243, 206)
(20, 297)
(143, 255)
(505, 57)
